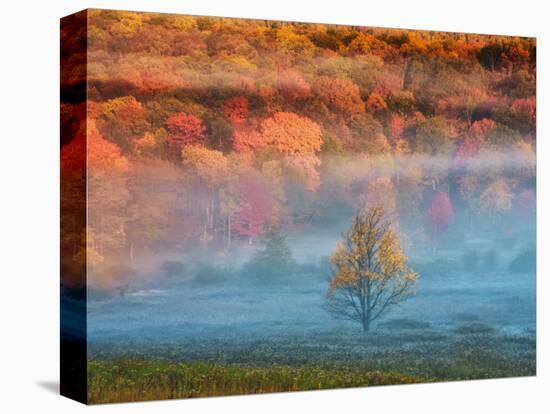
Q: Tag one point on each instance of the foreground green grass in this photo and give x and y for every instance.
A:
(139, 380)
(401, 354)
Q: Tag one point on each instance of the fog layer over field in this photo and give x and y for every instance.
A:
(477, 272)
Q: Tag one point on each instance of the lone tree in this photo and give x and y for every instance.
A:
(370, 270)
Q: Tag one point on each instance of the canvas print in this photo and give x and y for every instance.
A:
(255, 206)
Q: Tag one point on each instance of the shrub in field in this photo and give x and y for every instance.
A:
(206, 274)
(172, 268)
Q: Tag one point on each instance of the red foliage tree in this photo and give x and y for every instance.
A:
(471, 144)
(236, 109)
(247, 138)
(479, 129)
(185, 129)
(255, 207)
(440, 214)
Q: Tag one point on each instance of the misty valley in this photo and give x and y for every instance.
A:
(458, 288)
(471, 315)
(253, 206)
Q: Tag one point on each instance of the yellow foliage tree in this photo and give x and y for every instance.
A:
(208, 165)
(299, 140)
(371, 272)
(497, 198)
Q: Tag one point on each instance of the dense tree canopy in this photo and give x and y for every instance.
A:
(254, 121)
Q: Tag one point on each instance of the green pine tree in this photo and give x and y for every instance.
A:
(275, 258)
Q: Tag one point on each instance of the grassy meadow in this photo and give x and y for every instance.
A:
(403, 352)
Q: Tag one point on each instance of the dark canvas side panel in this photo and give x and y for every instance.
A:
(73, 144)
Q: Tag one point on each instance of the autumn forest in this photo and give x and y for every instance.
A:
(279, 202)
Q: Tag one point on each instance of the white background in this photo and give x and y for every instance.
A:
(29, 223)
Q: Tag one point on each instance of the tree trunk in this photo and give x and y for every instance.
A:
(366, 324)
(404, 73)
(229, 231)
(212, 210)
(205, 226)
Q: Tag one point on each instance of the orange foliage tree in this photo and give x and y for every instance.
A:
(340, 96)
(291, 134)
